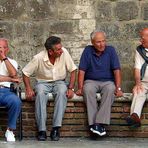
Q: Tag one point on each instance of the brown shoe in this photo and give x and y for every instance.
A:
(133, 120)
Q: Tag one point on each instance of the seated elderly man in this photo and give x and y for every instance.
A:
(50, 66)
(8, 74)
(99, 71)
(141, 79)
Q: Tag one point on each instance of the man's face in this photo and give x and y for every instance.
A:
(3, 47)
(99, 41)
(144, 37)
(57, 50)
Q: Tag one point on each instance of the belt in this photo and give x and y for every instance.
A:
(1, 86)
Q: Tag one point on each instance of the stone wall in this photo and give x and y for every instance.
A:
(27, 24)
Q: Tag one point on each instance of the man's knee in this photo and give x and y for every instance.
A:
(14, 101)
(60, 90)
(88, 89)
(109, 88)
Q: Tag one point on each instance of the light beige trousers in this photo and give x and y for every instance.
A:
(139, 100)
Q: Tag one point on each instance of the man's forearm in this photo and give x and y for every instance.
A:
(11, 70)
(117, 76)
(72, 79)
(81, 74)
(26, 81)
(5, 78)
(137, 76)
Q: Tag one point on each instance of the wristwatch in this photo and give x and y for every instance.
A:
(5, 59)
(71, 89)
(119, 88)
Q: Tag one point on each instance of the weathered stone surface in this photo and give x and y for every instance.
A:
(85, 2)
(131, 30)
(41, 9)
(112, 30)
(59, 2)
(62, 27)
(127, 72)
(125, 51)
(127, 86)
(103, 11)
(11, 9)
(127, 10)
(6, 30)
(145, 11)
(86, 27)
(75, 12)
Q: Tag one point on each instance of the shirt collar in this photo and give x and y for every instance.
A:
(146, 49)
(46, 58)
(94, 51)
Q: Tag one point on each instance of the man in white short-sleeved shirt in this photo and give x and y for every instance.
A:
(141, 79)
(8, 74)
(50, 67)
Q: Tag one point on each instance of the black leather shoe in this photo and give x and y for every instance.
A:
(42, 136)
(133, 120)
(55, 135)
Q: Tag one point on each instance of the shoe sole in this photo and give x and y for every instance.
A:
(98, 133)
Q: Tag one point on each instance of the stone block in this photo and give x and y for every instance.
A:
(145, 11)
(27, 41)
(125, 11)
(6, 30)
(131, 30)
(40, 9)
(11, 9)
(112, 30)
(67, 2)
(127, 72)
(85, 2)
(87, 26)
(64, 27)
(103, 11)
(124, 50)
(75, 12)
(127, 86)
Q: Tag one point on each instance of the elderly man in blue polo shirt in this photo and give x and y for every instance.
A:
(99, 71)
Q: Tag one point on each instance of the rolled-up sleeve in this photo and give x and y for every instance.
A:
(84, 60)
(31, 67)
(70, 63)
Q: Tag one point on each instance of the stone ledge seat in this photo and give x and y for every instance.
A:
(127, 97)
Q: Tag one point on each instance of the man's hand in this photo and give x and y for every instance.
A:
(118, 93)
(69, 93)
(16, 80)
(138, 88)
(79, 92)
(29, 94)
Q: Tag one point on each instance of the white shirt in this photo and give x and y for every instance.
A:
(139, 61)
(45, 71)
(4, 71)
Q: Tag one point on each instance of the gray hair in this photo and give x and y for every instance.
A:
(4, 39)
(92, 35)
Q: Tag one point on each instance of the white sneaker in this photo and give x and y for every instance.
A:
(10, 137)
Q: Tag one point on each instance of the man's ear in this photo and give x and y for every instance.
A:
(50, 52)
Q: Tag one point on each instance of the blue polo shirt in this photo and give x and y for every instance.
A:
(100, 67)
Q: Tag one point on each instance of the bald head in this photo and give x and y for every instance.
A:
(143, 32)
(98, 40)
(96, 32)
(144, 37)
